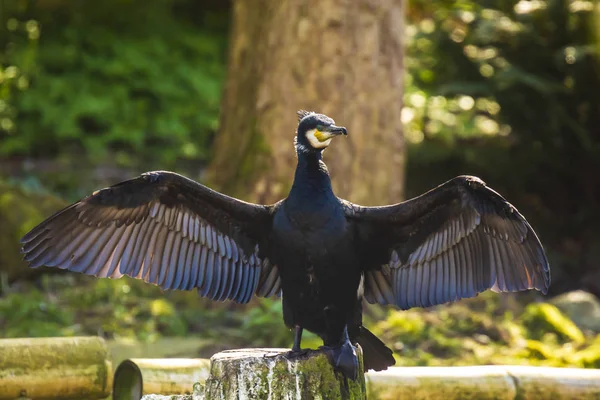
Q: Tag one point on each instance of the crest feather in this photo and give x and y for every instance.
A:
(303, 113)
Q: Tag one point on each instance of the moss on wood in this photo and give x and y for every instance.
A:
(535, 383)
(267, 373)
(483, 382)
(158, 376)
(52, 368)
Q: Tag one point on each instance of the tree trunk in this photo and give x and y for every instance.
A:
(343, 58)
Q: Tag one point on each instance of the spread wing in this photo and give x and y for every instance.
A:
(165, 229)
(452, 242)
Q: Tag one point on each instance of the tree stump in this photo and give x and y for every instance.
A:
(268, 374)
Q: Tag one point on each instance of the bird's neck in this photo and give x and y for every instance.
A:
(312, 177)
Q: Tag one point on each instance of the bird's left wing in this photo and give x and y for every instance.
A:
(450, 243)
(167, 230)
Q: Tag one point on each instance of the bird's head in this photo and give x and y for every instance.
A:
(315, 131)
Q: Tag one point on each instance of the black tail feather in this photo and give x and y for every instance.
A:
(375, 353)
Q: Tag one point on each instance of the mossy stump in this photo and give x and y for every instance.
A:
(267, 373)
(55, 368)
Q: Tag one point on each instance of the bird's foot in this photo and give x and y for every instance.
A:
(296, 353)
(343, 358)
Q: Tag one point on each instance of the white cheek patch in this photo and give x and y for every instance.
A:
(314, 142)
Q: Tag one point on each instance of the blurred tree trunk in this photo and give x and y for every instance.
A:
(340, 57)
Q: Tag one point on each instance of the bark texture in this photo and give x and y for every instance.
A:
(343, 58)
(266, 374)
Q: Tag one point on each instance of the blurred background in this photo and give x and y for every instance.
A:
(92, 93)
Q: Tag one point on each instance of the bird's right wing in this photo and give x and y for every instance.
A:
(450, 243)
(167, 230)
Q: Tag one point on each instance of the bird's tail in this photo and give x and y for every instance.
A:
(376, 354)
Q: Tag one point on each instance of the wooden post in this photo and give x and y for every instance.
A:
(55, 368)
(267, 373)
(169, 376)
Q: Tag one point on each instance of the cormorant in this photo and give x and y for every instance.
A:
(321, 253)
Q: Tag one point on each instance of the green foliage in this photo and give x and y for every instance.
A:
(34, 315)
(75, 304)
(483, 330)
(508, 90)
(541, 318)
(118, 81)
(117, 308)
(266, 317)
(20, 210)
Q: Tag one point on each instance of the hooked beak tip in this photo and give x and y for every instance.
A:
(339, 130)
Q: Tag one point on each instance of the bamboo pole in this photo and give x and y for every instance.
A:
(484, 382)
(55, 368)
(138, 376)
(555, 383)
(448, 383)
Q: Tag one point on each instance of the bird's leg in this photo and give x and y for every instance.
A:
(297, 339)
(343, 355)
(297, 351)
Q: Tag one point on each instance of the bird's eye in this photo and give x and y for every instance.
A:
(320, 127)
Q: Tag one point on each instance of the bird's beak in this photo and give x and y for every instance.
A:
(337, 130)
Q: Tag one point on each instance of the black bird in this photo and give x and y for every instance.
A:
(321, 253)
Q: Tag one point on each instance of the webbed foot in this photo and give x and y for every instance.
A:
(343, 358)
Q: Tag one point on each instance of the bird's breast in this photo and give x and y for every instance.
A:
(311, 241)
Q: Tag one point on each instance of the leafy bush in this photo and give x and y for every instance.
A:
(121, 81)
(34, 315)
(541, 318)
(487, 330)
(508, 90)
(483, 330)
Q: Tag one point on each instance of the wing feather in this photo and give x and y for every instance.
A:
(167, 230)
(455, 241)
